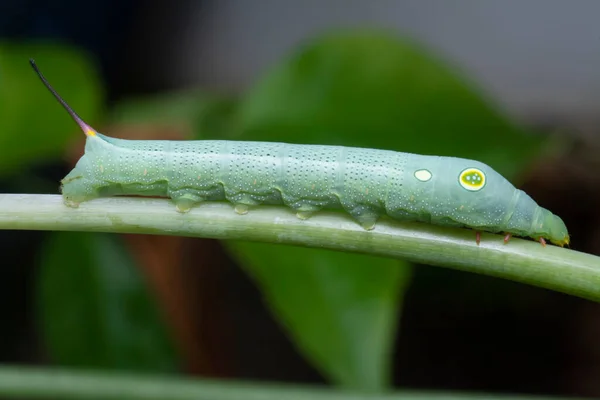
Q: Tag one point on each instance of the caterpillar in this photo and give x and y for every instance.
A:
(365, 183)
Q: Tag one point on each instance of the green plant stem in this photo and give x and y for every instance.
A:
(43, 383)
(520, 260)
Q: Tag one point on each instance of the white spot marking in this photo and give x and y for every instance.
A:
(423, 175)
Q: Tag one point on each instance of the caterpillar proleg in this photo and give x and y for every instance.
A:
(365, 183)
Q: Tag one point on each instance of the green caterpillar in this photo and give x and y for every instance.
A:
(366, 183)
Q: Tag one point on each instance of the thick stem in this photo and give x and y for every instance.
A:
(519, 260)
(38, 383)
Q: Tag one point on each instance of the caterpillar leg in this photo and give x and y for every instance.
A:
(507, 237)
(303, 215)
(75, 201)
(242, 202)
(77, 190)
(366, 216)
(477, 237)
(185, 199)
(543, 241)
(241, 209)
(304, 208)
(306, 211)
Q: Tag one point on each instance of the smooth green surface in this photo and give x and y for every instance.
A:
(33, 127)
(38, 383)
(520, 260)
(340, 308)
(96, 310)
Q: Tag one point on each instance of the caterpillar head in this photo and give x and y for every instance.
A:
(556, 230)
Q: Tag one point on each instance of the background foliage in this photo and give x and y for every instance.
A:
(96, 299)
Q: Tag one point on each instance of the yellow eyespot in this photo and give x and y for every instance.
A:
(472, 179)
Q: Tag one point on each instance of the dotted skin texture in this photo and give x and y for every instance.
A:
(366, 183)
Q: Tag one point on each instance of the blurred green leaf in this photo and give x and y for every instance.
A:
(376, 90)
(341, 309)
(162, 108)
(209, 115)
(95, 308)
(33, 126)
